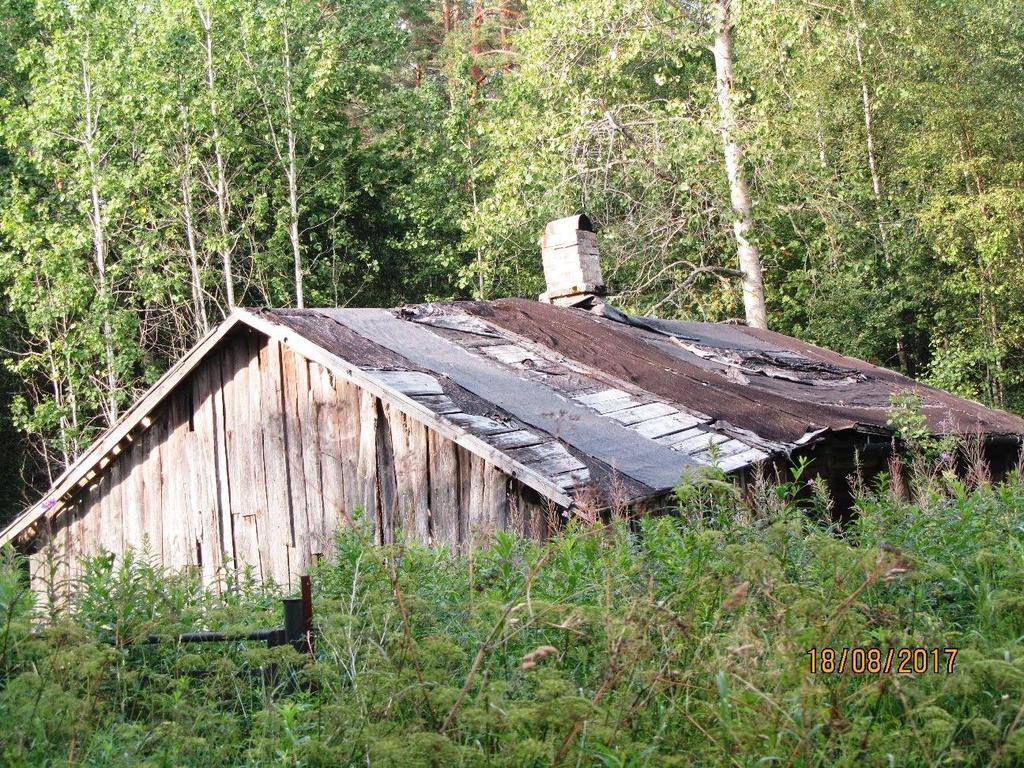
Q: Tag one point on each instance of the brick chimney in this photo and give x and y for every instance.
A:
(571, 269)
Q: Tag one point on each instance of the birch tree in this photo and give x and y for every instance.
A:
(280, 115)
(90, 138)
(218, 178)
(739, 193)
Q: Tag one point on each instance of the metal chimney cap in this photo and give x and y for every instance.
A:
(579, 222)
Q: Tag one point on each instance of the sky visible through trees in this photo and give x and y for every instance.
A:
(163, 162)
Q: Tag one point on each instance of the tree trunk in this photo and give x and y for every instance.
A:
(292, 172)
(987, 307)
(869, 128)
(221, 182)
(198, 302)
(99, 240)
(743, 221)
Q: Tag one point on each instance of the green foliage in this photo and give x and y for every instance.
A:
(679, 640)
(428, 143)
(136, 160)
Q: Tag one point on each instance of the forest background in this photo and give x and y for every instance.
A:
(164, 161)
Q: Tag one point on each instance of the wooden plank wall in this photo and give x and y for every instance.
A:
(254, 461)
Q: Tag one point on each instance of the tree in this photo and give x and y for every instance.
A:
(151, 192)
(742, 207)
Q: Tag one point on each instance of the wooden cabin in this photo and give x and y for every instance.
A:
(442, 422)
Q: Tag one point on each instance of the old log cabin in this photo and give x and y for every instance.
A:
(439, 420)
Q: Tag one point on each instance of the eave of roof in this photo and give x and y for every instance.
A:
(98, 454)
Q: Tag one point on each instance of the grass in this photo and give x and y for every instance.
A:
(665, 642)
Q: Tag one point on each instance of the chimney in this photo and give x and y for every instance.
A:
(571, 269)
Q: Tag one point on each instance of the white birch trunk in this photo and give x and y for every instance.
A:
(292, 172)
(742, 208)
(198, 302)
(869, 128)
(221, 189)
(99, 240)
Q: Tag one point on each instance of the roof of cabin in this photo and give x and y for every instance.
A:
(567, 398)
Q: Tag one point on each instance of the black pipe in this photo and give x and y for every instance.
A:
(297, 630)
(216, 637)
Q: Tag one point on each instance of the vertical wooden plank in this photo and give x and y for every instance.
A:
(192, 514)
(153, 472)
(366, 469)
(133, 504)
(239, 422)
(96, 521)
(476, 509)
(202, 513)
(174, 488)
(254, 345)
(349, 436)
(525, 512)
(409, 441)
(87, 523)
(206, 500)
(295, 392)
(55, 563)
(65, 551)
(62, 550)
(307, 406)
(91, 519)
(279, 529)
(465, 495)
(419, 473)
(387, 496)
(332, 471)
(398, 438)
(90, 508)
(79, 550)
(114, 537)
(495, 499)
(43, 573)
(443, 468)
(470, 477)
(71, 549)
(67, 546)
(225, 534)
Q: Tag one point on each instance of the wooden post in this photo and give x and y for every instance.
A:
(307, 612)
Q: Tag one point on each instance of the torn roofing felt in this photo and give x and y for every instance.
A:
(777, 386)
(637, 399)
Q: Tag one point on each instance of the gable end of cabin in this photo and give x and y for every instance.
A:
(256, 456)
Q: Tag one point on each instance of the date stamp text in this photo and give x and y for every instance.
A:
(876, 661)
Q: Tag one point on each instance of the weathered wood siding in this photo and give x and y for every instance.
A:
(257, 457)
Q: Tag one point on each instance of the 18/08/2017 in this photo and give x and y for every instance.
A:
(875, 661)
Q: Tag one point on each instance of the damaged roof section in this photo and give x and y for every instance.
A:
(579, 427)
(777, 387)
(595, 397)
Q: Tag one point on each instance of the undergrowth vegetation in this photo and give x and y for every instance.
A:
(670, 641)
